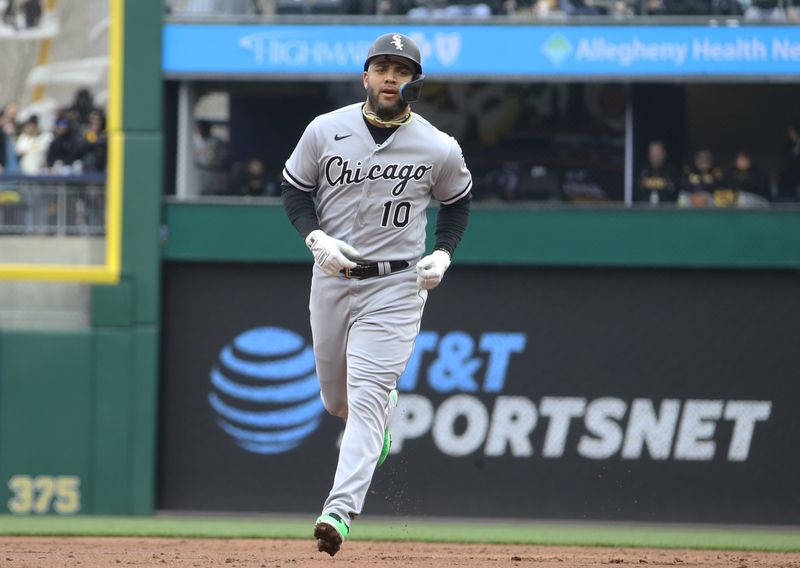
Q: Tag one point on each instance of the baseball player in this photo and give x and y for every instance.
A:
(374, 166)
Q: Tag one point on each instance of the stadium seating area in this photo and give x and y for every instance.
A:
(772, 10)
(53, 142)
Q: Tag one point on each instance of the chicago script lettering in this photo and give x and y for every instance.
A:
(339, 172)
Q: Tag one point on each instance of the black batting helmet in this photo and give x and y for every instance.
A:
(398, 45)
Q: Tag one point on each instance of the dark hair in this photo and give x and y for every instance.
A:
(101, 117)
(204, 126)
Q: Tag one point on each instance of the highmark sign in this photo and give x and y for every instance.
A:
(463, 51)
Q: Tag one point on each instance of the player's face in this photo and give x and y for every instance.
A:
(382, 80)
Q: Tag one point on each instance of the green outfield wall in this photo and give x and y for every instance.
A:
(518, 234)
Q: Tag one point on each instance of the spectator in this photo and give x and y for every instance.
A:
(32, 146)
(3, 154)
(9, 130)
(700, 7)
(210, 150)
(33, 12)
(652, 7)
(516, 181)
(789, 182)
(499, 183)
(82, 107)
(65, 147)
(31, 9)
(765, 10)
(658, 181)
(742, 179)
(619, 8)
(251, 180)
(546, 8)
(792, 10)
(699, 180)
(727, 8)
(10, 14)
(93, 151)
(9, 118)
(445, 9)
(581, 8)
(390, 7)
(210, 158)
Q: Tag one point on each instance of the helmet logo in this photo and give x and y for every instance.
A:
(397, 40)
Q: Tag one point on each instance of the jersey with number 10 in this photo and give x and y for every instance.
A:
(374, 196)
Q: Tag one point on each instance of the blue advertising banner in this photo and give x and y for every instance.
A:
(313, 51)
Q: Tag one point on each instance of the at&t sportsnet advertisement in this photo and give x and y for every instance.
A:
(467, 378)
(545, 393)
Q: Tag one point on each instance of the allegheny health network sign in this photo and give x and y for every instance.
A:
(314, 51)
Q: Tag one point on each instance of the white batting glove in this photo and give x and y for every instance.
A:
(331, 255)
(431, 269)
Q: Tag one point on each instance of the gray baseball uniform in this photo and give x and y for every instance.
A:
(373, 197)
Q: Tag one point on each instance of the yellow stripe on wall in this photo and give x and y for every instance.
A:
(116, 46)
(41, 59)
(43, 56)
(116, 140)
(59, 273)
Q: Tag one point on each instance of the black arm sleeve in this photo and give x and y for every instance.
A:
(451, 222)
(300, 208)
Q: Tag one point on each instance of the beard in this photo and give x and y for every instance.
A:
(388, 111)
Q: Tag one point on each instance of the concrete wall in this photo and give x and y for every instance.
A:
(47, 305)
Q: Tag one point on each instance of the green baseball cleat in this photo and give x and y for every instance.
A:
(330, 531)
(387, 434)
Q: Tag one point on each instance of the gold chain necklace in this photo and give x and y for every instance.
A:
(369, 115)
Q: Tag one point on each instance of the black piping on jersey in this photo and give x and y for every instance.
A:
(296, 181)
(421, 308)
(460, 194)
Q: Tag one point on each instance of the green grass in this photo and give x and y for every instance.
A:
(522, 532)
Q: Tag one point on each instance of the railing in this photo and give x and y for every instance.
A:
(52, 205)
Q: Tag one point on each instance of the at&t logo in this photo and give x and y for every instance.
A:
(265, 391)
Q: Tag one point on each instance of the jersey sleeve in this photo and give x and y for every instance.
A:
(454, 181)
(302, 167)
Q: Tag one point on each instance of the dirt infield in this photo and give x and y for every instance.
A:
(43, 552)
